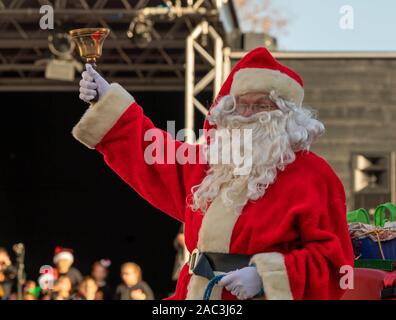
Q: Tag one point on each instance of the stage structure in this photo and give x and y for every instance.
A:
(153, 46)
(146, 49)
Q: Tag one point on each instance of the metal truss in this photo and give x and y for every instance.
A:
(213, 77)
(159, 66)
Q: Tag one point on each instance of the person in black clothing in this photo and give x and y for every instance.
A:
(99, 272)
(63, 260)
(133, 287)
(7, 275)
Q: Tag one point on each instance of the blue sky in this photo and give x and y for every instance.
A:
(314, 25)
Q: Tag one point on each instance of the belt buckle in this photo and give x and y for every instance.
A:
(192, 262)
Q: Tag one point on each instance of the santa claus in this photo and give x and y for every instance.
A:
(275, 231)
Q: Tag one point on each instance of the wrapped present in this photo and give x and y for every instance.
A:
(376, 241)
(371, 242)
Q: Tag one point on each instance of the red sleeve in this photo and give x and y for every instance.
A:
(312, 270)
(120, 137)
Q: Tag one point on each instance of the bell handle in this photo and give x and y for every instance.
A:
(92, 62)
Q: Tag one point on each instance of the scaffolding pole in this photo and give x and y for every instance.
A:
(214, 76)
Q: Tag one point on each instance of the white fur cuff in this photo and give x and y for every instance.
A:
(272, 270)
(260, 80)
(102, 115)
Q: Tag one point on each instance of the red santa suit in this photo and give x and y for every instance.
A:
(296, 233)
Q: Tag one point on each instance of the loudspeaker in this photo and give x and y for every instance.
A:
(373, 179)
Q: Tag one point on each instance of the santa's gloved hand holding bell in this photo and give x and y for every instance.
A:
(92, 84)
(274, 224)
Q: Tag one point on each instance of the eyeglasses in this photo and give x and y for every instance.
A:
(256, 102)
(260, 106)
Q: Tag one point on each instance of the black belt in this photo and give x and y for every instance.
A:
(206, 263)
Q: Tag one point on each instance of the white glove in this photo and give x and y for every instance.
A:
(244, 283)
(90, 82)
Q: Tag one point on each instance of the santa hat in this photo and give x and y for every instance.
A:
(63, 254)
(259, 71)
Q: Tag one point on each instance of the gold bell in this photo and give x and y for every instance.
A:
(89, 42)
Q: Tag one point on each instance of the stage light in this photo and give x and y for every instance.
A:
(60, 45)
(62, 66)
(140, 31)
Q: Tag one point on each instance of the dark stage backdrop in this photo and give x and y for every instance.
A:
(55, 191)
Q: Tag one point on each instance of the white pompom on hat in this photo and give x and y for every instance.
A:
(63, 254)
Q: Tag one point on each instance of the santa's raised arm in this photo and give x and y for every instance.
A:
(273, 226)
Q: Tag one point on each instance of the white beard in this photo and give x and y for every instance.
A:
(272, 148)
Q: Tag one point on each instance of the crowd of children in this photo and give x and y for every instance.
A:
(62, 281)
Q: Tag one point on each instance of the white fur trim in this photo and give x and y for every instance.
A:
(64, 255)
(102, 115)
(260, 79)
(214, 236)
(272, 270)
(216, 228)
